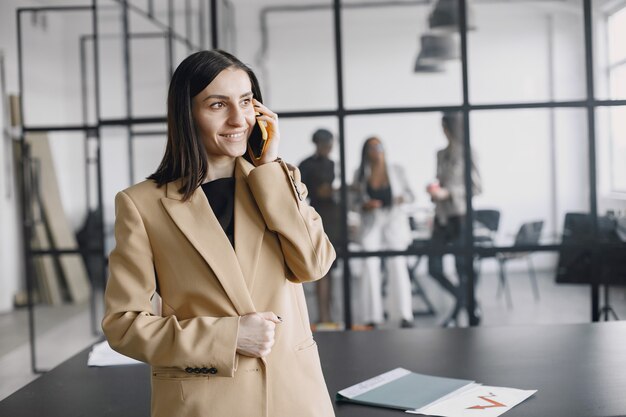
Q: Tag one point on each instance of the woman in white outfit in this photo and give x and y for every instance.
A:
(380, 190)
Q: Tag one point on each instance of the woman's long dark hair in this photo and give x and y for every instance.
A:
(185, 155)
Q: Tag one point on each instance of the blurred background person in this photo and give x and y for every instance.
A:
(318, 174)
(380, 190)
(448, 194)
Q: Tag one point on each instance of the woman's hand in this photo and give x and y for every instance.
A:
(273, 133)
(398, 200)
(256, 334)
(439, 194)
(372, 204)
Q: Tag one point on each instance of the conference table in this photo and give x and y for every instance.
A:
(578, 370)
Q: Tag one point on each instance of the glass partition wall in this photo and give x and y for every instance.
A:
(532, 95)
(530, 84)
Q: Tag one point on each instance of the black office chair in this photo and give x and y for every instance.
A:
(575, 263)
(574, 266)
(528, 234)
(486, 224)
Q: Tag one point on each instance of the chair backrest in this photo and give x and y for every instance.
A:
(574, 264)
(578, 228)
(529, 233)
(488, 218)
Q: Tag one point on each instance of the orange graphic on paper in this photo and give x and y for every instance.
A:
(492, 403)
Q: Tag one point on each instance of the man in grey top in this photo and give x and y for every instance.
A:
(448, 194)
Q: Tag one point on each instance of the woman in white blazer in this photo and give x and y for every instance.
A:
(381, 190)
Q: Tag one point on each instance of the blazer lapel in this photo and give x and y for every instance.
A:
(196, 221)
(249, 224)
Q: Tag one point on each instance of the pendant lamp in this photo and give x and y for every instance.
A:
(426, 66)
(445, 16)
(438, 47)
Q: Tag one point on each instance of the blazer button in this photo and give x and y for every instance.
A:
(212, 371)
(204, 370)
(189, 370)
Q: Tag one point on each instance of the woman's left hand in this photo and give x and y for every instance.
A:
(273, 133)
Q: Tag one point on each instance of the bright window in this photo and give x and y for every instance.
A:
(617, 86)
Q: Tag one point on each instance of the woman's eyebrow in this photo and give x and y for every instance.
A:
(221, 97)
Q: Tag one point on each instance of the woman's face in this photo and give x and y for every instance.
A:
(223, 113)
(375, 151)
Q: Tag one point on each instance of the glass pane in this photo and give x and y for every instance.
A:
(62, 284)
(403, 217)
(609, 53)
(399, 147)
(618, 149)
(150, 76)
(616, 35)
(535, 170)
(148, 150)
(611, 154)
(381, 45)
(291, 50)
(53, 43)
(110, 59)
(114, 154)
(310, 144)
(527, 51)
(148, 65)
(617, 77)
(149, 54)
(297, 139)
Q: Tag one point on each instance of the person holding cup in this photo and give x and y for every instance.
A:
(448, 194)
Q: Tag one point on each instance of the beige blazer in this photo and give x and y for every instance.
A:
(179, 250)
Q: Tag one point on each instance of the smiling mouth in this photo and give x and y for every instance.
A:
(233, 136)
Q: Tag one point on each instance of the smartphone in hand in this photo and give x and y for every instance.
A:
(257, 142)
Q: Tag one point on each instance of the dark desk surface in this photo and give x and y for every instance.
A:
(579, 370)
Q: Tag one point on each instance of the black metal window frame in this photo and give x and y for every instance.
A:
(92, 132)
(468, 249)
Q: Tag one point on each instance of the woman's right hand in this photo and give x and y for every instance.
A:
(256, 334)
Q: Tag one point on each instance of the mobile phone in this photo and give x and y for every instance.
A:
(257, 142)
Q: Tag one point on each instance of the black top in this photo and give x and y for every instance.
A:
(383, 194)
(316, 171)
(221, 196)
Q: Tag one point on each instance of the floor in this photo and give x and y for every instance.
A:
(65, 330)
(557, 303)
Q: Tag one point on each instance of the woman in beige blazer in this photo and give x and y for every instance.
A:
(233, 337)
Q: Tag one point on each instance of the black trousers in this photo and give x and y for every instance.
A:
(452, 233)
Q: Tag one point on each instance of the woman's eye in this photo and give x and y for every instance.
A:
(217, 105)
(246, 102)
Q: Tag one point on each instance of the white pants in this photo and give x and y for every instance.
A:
(385, 229)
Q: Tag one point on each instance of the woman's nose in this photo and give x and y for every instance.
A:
(237, 117)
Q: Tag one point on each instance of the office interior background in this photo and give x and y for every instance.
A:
(542, 84)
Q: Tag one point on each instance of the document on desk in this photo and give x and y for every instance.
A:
(433, 395)
(481, 401)
(404, 390)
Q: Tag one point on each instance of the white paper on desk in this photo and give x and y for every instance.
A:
(102, 355)
(482, 401)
